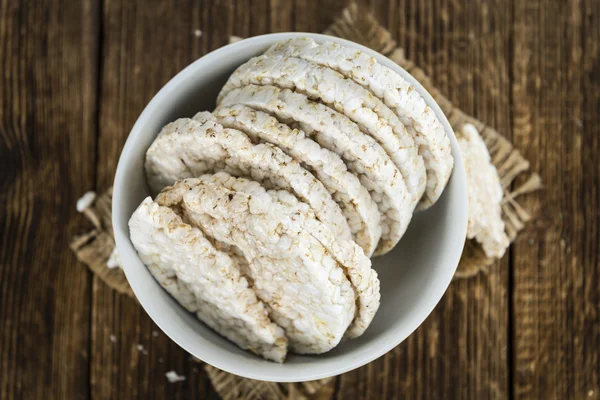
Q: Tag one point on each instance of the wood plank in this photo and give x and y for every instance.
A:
(48, 59)
(144, 45)
(556, 276)
(461, 349)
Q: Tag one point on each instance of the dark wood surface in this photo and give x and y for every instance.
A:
(74, 76)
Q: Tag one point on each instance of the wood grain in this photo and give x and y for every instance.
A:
(47, 140)
(556, 289)
(144, 45)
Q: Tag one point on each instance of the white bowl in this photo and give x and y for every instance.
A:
(413, 277)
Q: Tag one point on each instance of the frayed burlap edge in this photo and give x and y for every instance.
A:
(361, 27)
(94, 248)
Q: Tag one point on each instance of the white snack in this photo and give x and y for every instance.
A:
(86, 201)
(352, 259)
(174, 377)
(419, 119)
(347, 97)
(359, 209)
(187, 148)
(305, 288)
(485, 194)
(204, 280)
(363, 156)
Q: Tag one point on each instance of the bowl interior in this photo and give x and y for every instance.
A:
(413, 277)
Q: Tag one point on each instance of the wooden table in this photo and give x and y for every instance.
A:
(74, 77)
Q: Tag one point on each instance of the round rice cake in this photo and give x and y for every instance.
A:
(347, 97)
(397, 93)
(356, 265)
(204, 280)
(485, 193)
(363, 156)
(359, 209)
(186, 148)
(303, 285)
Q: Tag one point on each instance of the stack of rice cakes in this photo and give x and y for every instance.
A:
(270, 207)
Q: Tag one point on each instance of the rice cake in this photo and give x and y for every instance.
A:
(485, 194)
(304, 287)
(204, 280)
(185, 148)
(355, 263)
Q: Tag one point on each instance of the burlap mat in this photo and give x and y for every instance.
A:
(95, 247)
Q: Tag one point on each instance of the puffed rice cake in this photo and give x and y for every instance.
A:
(186, 148)
(356, 265)
(485, 194)
(303, 285)
(204, 280)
